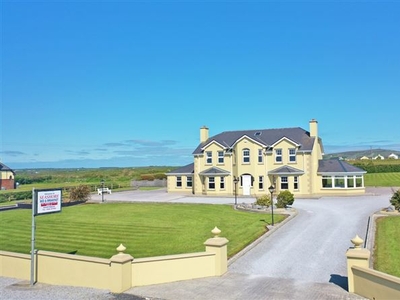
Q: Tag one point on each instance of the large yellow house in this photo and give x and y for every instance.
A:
(248, 162)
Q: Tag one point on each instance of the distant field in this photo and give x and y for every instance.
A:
(377, 161)
(382, 179)
(145, 229)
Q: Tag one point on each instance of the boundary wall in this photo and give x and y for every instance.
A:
(121, 272)
(367, 282)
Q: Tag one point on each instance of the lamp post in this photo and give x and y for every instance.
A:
(272, 190)
(102, 190)
(235, 181)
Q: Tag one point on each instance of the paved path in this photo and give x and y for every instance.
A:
(304, 259)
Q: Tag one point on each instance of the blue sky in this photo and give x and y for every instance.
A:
(103, 84)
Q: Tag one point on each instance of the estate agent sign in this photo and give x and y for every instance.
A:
(47, 201)
(43, 202)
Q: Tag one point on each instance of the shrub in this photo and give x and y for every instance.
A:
(395, 200)
(264, 200)
(12, 195)
(160, 176)
(284, 199)
(79, 193)
(149, 177)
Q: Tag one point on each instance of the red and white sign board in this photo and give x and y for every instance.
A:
(48, 201)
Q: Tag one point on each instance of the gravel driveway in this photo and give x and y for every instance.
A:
(312, 246)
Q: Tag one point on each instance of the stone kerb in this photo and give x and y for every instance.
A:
(260, 208)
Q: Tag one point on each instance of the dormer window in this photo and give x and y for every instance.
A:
(258, 133)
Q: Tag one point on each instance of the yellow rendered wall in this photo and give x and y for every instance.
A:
(171, 184)
(73, 270)
(15, 265)
(200, 165)
(376, 285)
(162, 269)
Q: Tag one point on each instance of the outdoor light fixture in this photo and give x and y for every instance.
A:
(235, 181)
(102, 190)
(272, 190)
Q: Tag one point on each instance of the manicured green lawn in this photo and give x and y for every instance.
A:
(144, 229)
(387, 245)
(382, 179)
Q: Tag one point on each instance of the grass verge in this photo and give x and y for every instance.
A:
(387, 245)
(145, 229)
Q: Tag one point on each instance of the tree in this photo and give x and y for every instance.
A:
(80, 193)
(284, 199)
(395, 200)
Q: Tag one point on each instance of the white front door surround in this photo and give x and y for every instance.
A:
(246, 184)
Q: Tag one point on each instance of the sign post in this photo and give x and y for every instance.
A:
(43, 202)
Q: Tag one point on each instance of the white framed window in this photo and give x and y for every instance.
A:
(327, 182)
(296, 182)
(208, 157)
(284, 183)
(260, 156)
(178, 181)
(342, 182)
(359, 181)
(246, 155)
(211, 183)
(260, 182)
(350, 181)
(339, 182)
(220, 157)
(222, 183)
(292, 155)
(278, 155)
(189, 181)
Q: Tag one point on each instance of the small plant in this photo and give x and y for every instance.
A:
(264, 200)
(80, 193)
(284, 199)
(395, 200)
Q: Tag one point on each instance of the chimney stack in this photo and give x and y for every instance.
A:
(314, 128)
(203, 134)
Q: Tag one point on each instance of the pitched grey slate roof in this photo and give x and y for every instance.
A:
(286, 170)
(3, 167)
(188, 169)
(266, 137)
(214, 171)
(337, 166)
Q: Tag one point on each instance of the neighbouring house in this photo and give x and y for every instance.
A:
(378, 157)
(393, 156)
(247, 162)
(364, 157)
(7, 177)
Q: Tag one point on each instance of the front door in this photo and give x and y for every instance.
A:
(246, 184)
